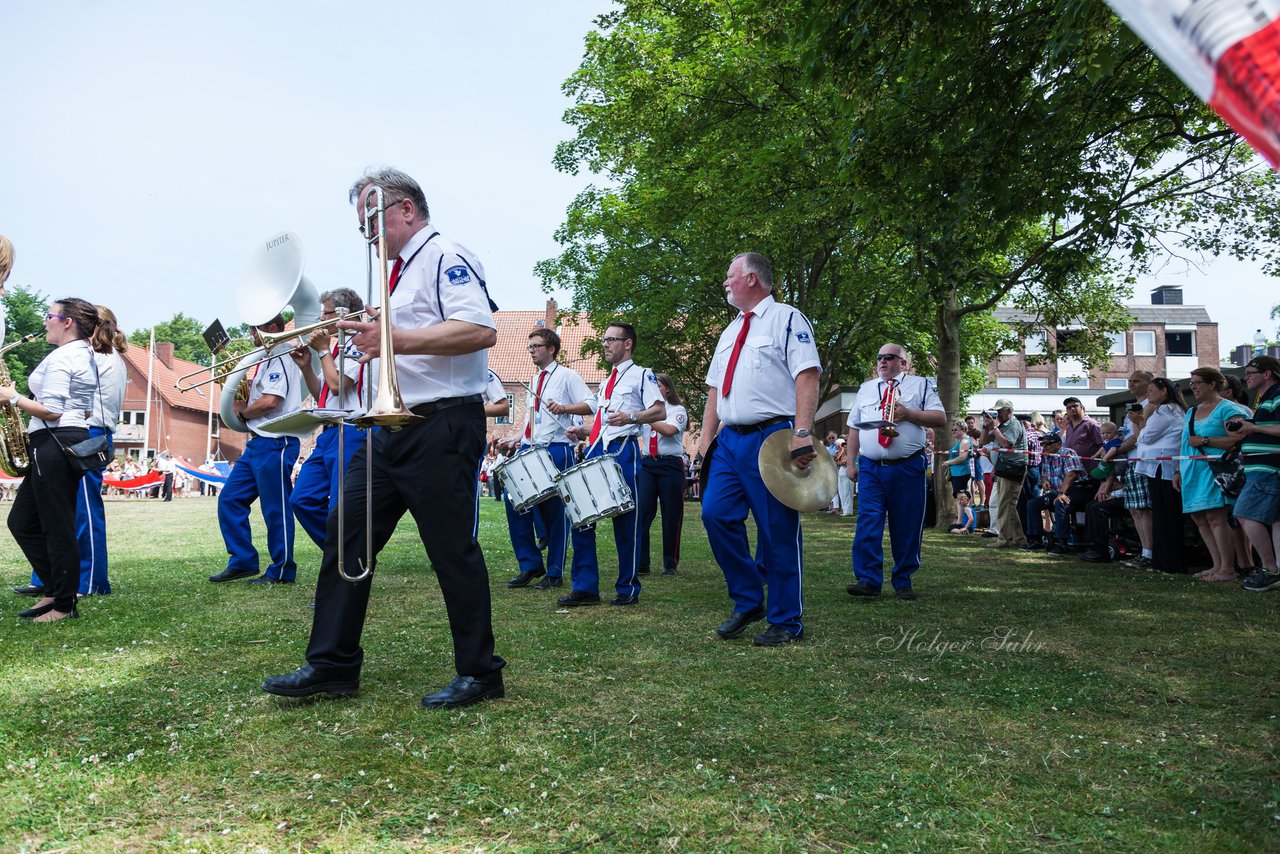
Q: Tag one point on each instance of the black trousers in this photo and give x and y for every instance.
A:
(1167, 546)
(660, 481)
(430, 470)
(1097, 520)
(43, 517)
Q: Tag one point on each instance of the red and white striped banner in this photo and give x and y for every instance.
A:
(1226, 51)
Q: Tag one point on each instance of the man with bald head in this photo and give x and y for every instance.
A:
(888, 464)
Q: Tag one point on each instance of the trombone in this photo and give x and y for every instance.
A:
(219, 369)
(386, 409)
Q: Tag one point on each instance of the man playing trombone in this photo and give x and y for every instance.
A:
(263, 472)
(441, 324)
(315, 494)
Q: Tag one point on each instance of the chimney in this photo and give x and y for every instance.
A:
(552, 311)
(164, 352)
(1167, 295)
(1241, 355)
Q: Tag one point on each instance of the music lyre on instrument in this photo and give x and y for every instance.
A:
(386, 409)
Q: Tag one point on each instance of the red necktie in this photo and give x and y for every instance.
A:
(653, 442)
(886, 404)
(733, 357)
(324, 386)
(608, 395)
(395, 275)
(537, 404)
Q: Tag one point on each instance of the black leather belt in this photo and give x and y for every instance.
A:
(431, 408)
(762, 425)
(895, 462)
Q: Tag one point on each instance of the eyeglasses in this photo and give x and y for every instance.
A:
(611, 340)
(52, 316)
(374, 218)
(1249, 373)
(887, 357)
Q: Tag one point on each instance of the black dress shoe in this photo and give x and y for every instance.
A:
(863, 590)
(670, 570)
(576, 598)
(306, 680)
(265, 580)
(621, 600)
(523, 579)
(642, 570)
(232, 575)
(31, 590)
(1095, 556)
(737, 624)
(906, 594)
(466, 691)
(36, 611)
(774, 636)
(549, 582)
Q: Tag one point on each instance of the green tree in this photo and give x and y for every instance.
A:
(186, 334)
(24, 315)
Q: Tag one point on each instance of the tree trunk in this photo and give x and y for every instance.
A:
(947, 328)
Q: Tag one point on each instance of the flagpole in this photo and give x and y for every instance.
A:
(151, 360)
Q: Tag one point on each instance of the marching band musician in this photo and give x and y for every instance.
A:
(443, 324)
(763, 378)
(496, 404)
(890, 471)
(6, 267)
(315, 492)
(628, 399)
(661, 479)
(63, 390)
(560, 391)
(263, 472)
(91, 520)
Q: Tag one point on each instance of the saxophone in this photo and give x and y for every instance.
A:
(15, 457)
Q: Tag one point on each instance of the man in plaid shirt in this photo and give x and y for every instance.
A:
(1060, 468)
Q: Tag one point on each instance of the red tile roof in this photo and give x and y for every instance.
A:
(510, 360)
(163, 378)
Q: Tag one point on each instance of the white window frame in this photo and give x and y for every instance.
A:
(1116, 382)
(1037, 382)
(1195, 343)
(1117, 340)
(1138, 349)
(1008, 382)
(1034, 343)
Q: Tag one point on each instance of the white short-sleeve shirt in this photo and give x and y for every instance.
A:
(635, 389)
(279, 376)
(564, 386)
(915, 393)
(779, 345)
(668, 446)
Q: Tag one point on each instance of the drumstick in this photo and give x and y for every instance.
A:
(539, 398)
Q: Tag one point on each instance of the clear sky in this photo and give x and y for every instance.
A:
(149, 147)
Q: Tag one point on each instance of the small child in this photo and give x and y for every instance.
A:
(1111, 442)
(966, 519)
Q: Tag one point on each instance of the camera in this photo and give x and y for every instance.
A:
(1235, 425)
(992, 414)
(1134, 407)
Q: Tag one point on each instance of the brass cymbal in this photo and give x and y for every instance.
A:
(811, 488)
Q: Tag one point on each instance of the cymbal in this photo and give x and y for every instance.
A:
(800, 489)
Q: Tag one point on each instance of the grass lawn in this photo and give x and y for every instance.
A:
(1020, 703)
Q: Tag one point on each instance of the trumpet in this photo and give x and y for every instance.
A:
(891, 409)
(219, 370)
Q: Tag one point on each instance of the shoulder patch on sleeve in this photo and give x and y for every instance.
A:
(458, 275)
(274, 377)
(803, 337)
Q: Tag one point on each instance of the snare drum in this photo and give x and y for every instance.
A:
(594, 490)
(529, 477)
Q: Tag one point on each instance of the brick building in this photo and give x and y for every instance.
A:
(509, 358)
(179, 420)
(1167, 338)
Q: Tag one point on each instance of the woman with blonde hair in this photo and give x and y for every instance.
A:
(108, 342)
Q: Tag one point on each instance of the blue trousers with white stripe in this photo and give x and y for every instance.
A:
(734, 488)
(315, 492)
(547, 515)
(626, 531)
(263, 473)
(898, 493)
(91, 530)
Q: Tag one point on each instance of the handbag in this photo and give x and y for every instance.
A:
(1228, 469)
(1010, 466)
(91, 454)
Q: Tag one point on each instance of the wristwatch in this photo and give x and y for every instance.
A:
(13, 401)
(801, 433)
(633, 418)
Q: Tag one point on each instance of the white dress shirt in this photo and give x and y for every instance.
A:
(668, 446)
(635, 390)
(779, 345)
(564, 386)
(64, 382)
(109, 400)
(279, 376)
(439, 281)
(914, 393)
